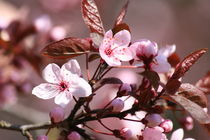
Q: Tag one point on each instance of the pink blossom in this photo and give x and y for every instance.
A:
(160, 63)
(167, 125)
(179, 134)
(144, 49)
(117, 105)
(114, 49)
(8, 95)
(74, 136)
(153, 120)
(155, 133)
(63, 83)
(57, 114)
(126, 133)
(42, 137)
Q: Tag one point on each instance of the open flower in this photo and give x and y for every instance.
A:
(63, 83)
(114, 49)
(160, 63)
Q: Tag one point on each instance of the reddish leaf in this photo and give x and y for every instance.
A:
(172, 86)
(153, 77)
(204, 83)
(111, 80)
(195, 110)
(93, 57)
(187, 63)
(194, 94)
(122, 14)
(119, 27)
(92, 17)
(173, 59)
(207, 126)
(68, 48)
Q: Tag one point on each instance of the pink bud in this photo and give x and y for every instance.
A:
(167, 125)
(42, 137)
(125, 87)
(57, 114)
(153, 134)
(126, 133)
(74, 136)
(43, 23)
(187, 123)
(117, 105)
(153, 120)
(144, 48)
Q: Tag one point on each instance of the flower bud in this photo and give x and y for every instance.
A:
(125, 87)
(167, 125)
(57, 114)
(144, 49)
(74, 136)
(117, 105)
(155, 133)
(126, 133)
(42, 137)
(187, 123)
(153, 120)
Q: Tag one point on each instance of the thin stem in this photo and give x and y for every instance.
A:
(105, 126)
(97, 131)
(87, 67)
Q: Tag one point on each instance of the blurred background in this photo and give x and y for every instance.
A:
(185, 23)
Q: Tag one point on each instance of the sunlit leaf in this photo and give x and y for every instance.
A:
(122, 14)
(68, 48)
(204, 83)
(92, 17)
(195, 110)
(187, 63)
(194, 94)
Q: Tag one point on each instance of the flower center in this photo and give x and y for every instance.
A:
(63, 86)
(108, 51)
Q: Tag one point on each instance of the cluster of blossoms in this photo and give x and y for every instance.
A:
(117, 48)
(66, 82)
(137, 108)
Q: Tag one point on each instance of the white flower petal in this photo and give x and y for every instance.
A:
(122, 38)
(177, 134)
(72, 66)
(80, 88)
(46, 91)
(51, 73)
(161, 65)
(63, 98)
(168, 50)
(123, 53)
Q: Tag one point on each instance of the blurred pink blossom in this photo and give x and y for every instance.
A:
(74, 136)
(42, 137)
(57, 114)
(155, 133)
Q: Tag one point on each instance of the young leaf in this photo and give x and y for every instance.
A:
(111, 80)
(172, 86)
(204, 84)
(122, 14)
(119, 27)
(68, 48)
(194, 94)
(153, 77)
(93, 20)
(187, 63)
(195, 110)
(93, 57)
